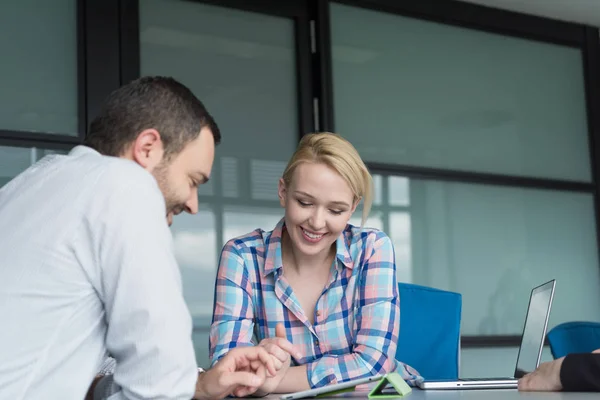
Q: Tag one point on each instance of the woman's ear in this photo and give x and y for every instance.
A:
(281, 192)
(356, 202)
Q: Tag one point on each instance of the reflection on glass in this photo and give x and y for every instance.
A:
(14, 160)
(195, 246)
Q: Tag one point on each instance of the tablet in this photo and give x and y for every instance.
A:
(330, 389)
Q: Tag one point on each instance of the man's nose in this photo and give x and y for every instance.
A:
(191, 205)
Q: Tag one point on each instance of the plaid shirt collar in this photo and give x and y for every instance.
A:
(273, 259)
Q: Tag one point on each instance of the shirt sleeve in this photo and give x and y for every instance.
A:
(138, 280)
(581, 373)
(377, 324)
(233, 314)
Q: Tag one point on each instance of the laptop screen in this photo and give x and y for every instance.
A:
(534, 331)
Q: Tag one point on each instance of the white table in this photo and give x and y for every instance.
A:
(504, 394)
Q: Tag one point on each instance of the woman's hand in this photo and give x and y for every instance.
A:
(281, 350)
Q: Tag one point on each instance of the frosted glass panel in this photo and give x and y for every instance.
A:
(242, 66)
(195, 246)
(241, 220)
(39, 70)
(14, 160)
(419, 93)
(494, 244)
(200, 338)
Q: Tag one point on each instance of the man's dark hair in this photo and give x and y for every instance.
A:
(151, 102)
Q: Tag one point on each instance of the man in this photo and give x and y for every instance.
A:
(572, 373)
(86, 265)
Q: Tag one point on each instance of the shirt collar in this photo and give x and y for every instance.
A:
(273, 259)
(82, 150)
(342, 245)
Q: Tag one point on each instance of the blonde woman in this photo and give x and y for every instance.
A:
(326, 286)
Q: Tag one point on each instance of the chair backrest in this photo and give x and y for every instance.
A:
(430, 331)
(574, 337)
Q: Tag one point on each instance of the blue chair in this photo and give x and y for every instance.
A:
(429, 338)
(574, 337)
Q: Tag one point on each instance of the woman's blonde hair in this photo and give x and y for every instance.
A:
(337, 153)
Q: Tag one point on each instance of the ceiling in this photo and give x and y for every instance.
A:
(581, 11)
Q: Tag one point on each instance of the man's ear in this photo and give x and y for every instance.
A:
(281, 192)
(147, 149)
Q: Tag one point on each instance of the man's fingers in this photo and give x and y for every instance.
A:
(242, 357)
(243, 391)
(245, 355)
(262, 355)
(596, 351)
(241, 378)
(268, 361)
(259, 368)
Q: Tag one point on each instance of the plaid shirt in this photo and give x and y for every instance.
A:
(357, 317)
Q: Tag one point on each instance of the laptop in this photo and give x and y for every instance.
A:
(530, 351)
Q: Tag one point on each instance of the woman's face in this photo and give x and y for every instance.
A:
(318, 204)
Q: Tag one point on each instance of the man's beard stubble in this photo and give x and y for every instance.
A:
(161, 174)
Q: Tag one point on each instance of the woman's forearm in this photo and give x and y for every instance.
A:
(294, 380)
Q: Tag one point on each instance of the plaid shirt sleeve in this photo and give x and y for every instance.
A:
(232, 324)
(377, 324)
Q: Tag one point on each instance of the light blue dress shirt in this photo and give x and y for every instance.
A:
(86, 269)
